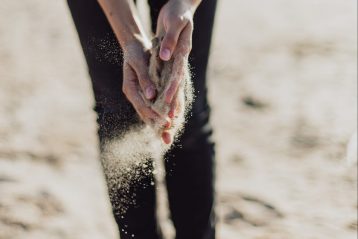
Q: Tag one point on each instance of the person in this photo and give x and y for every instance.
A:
(114, 44)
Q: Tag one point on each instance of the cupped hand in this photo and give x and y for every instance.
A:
(137, 85)
(175, 24)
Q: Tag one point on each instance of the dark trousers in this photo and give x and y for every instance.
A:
(190, 164)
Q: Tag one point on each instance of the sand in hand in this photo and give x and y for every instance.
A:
(169, 75)
(129, 158)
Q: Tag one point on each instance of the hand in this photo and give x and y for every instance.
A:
(137, 87)
(175, 23)
(136, 81)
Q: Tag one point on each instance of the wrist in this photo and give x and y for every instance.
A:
(134, 38)
(193, 4)
(124, 21)
(129, 30)
(135, 42)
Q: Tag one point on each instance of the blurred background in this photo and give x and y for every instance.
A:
(283, 87)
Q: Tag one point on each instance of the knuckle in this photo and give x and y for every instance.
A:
(191, 23)
(143, 81)
(186, 18)
(175, 20)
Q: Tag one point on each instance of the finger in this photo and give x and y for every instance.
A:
(129, 79)
(182, 52)
(173, 110)
(167, 125)
(145, 112)
(144, 81)
(174, 107)
(131, 90)
(184, 45)
(178, 73)
(166, 137)
(170, 40)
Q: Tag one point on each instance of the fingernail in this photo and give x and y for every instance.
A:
(149, 93)
(165, 54)
(166, 138)
(167, 125)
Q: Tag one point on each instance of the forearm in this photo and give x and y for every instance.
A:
(124, 19)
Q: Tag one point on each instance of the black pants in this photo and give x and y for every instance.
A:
(190, 165)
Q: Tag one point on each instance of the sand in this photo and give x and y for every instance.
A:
(164, 75)
(283, 86)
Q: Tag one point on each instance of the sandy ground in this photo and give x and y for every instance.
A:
(283, 86)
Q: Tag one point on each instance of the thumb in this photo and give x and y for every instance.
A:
(170, 41)
(145, 83)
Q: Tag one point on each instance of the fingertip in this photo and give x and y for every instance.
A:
(165, 54)
(166, 137)
(150, 93)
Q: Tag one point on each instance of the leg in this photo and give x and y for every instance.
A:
(115, 113)
(190, 168)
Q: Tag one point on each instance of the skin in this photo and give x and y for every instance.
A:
(175, 23)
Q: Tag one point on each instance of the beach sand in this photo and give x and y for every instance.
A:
(283, 88)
